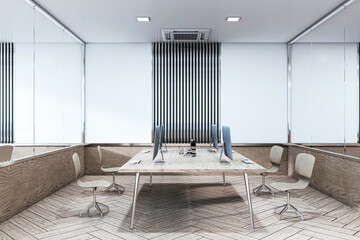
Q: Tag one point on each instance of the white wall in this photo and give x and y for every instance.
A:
(254, 92)
(118, 93)
(57, 93)
(320, 97)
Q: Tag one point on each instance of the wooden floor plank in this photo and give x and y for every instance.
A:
(67, 232)
(325, 228)
(15, 232)
(36, 219)
(184, 207)
(4, 236)
(28, 226)
(330, 233)
(190, 236)
(283, 234)
(317, 235)
(298, 236)
(355, 224)
(84, 237)
(103, 235)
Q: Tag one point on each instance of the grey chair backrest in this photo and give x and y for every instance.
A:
(304, 165)
(100, 155)
(276, 154)
(6, 152)
(77, 165)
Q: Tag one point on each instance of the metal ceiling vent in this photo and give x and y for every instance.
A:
(185, 35)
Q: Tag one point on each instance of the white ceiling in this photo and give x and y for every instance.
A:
(17, 21)
(344, 26)
(114, 20)
(262, 20)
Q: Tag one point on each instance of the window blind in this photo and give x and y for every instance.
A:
(7, 97)
(186, 90)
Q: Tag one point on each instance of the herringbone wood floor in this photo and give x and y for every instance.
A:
(184, 207)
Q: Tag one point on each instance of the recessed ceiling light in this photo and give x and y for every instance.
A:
(233, 19)
(143, 19)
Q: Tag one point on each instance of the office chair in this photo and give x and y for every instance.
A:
(304, 165)
(113, 170)
(101, 208)
(275, 158)
(6, 153)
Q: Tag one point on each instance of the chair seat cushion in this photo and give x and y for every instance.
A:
(94, 183)
(284, 186)
(112, 169)
(273, 169)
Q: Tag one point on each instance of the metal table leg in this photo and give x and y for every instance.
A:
(137, 177)
(247, 187)
(150, 180)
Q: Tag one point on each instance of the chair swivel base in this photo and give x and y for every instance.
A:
(262, 187)
(117, 187)
(288, 207)
(94, 207)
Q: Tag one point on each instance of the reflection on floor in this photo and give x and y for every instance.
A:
(189, 207)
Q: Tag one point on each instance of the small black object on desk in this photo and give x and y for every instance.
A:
(193, 146)
(192, 150)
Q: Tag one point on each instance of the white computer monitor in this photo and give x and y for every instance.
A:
(214, 138)
(162, 129)
(226, 148)
(157, 146)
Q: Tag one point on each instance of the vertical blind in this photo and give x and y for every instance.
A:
(186, 90)
(7, 97)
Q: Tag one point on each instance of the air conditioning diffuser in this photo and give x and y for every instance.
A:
(185, 35)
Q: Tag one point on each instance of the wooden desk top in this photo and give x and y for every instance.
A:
(204, 162)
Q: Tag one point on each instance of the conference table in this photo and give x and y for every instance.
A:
(203, 162)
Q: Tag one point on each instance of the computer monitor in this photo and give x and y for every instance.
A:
(162, 128)
(214, 138)
(157, 141)
(226, 145)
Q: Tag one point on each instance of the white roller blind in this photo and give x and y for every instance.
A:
(57, 93)
(186, 88)
(23, 93)
(254, 92)
(58, 73)
(322, 102)
(118, 93)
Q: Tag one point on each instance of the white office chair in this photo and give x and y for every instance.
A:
(275, 158)
(6, 152)
(113, 170)
(304, 165)
(101, 208)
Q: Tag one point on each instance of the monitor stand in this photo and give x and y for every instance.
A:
(162, 158)
(165, 148)
(212, 150)
(222, 160)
